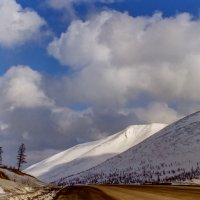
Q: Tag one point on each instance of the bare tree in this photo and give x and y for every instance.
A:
(21, 157)
(1, 152)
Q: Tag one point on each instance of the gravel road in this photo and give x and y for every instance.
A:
(129, 193)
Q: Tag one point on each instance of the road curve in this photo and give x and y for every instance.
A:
(128, 192)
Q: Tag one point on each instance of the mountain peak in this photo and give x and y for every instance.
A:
(87, 155)
(172, 154)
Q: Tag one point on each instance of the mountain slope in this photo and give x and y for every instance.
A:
(172, 154)
(15, 184)
(85, 156)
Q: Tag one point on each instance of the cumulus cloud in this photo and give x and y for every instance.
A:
(157, 113)
(21, 87)
(18, 25)
(83, 37)
(118, 58)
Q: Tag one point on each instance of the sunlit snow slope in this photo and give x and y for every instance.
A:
(172, 154)
(85, 156)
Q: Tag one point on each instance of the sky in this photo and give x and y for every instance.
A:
(73, 71)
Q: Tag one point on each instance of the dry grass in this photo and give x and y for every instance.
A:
(3, 176)
(19, 172)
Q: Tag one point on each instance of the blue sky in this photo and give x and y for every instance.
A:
(80, 70)
(36, 55)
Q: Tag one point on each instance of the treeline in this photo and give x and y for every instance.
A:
(160, 174)
(21, 158)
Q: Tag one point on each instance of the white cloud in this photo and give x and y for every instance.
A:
(118, 58)
(17, 25)
(21, 87)
(84, 38)
(157, 113)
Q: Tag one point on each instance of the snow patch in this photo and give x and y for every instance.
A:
(1, 191)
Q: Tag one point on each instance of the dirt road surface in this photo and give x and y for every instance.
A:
(129, 193)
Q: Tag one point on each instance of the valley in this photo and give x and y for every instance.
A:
(100, 100)
(152, 161)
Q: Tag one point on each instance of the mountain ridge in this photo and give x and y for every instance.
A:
(78, 158)
(172, 154)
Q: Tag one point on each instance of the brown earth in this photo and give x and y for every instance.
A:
(83, 192)
(3, 176)
(124, 192)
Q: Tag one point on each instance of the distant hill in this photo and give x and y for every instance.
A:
(171, 155)
(85, 156)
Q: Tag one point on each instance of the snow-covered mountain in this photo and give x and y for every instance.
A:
(85, 156)
(172, 154)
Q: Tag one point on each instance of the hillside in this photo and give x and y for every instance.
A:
(85, 156)
(171, 155)
(17, 185)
